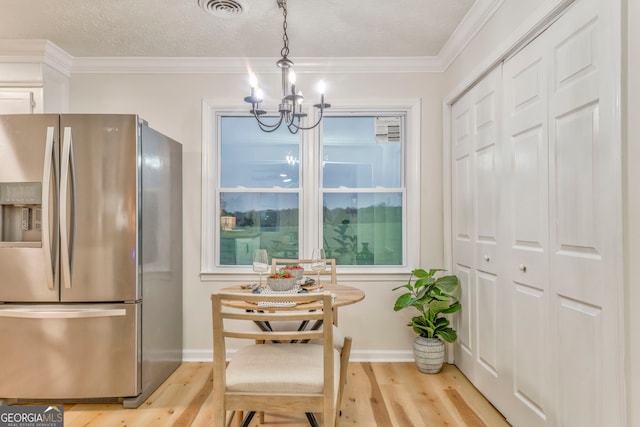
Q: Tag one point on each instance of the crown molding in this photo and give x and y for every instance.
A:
(473, 21)
(35, 51)
(235, 65)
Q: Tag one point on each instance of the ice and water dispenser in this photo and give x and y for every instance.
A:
(20, 212)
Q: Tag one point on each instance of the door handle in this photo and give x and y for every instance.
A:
(53, 313)
(67, 231)
(46, 199)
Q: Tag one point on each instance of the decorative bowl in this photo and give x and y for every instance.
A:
(281, 284)
(295, 270)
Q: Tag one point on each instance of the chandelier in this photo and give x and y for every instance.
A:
(290, 108)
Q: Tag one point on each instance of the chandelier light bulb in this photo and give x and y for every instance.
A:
(292, 77)
(253, 81)
(322, 87)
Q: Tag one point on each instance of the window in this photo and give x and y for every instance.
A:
(342, 186)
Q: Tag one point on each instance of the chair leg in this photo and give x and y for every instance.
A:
(312, 419)
(248, 418)
(344, 364)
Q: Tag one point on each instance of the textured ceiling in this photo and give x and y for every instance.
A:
(180, 28)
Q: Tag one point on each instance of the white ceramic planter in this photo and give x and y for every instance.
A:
(429, 354)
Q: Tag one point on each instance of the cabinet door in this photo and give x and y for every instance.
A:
(16, 102)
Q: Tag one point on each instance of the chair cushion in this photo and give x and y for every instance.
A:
(279, 368)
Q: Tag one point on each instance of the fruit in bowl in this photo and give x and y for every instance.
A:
(295, 270)
(283, 281)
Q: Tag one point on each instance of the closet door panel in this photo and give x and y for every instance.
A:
(585, 211)
(580, 362)
(486, 198)
(463, 185)
(528, 401)
(487, 289)
(530, 335)
(465, 320)
(486, 126)
(463, 233)
(475, 184)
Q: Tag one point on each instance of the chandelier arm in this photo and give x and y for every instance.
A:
(315, 125)
(266, 126)
(295, 127)
(267, 130)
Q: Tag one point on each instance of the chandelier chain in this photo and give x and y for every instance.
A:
(285, 38)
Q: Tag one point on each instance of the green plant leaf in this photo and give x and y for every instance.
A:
(403, 301)
(456, 306)
(420, 273)
(448, 334)
(448, 284)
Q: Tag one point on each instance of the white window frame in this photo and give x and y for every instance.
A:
(310, 185)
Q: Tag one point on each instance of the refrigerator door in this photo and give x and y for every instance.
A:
(99, 208)
(28, 208)
(69, 351)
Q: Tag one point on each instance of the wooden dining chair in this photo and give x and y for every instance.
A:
(328, 273)
(342, 343)
(273, 376)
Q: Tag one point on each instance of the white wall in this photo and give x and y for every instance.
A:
(172, 105)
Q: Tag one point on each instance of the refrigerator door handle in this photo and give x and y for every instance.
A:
(46, 200)
(53, 313)
(67, 231)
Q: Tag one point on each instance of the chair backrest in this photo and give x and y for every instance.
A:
(330, 271)
(231, 323)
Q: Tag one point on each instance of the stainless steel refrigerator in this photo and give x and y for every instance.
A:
(90, 257)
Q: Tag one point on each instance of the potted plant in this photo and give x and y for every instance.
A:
(433, 299)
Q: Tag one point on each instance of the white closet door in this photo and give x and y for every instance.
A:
(530, 398)
(563, 209)
(476, 132)
(585, 213)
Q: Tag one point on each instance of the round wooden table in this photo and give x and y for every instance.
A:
(344, 295)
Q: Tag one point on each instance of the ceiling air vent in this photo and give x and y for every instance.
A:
(224, 8)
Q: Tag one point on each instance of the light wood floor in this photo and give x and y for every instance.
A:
(377, 394)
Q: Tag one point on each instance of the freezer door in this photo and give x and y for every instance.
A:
(99, 213)
(69, 352)
(28, 208)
